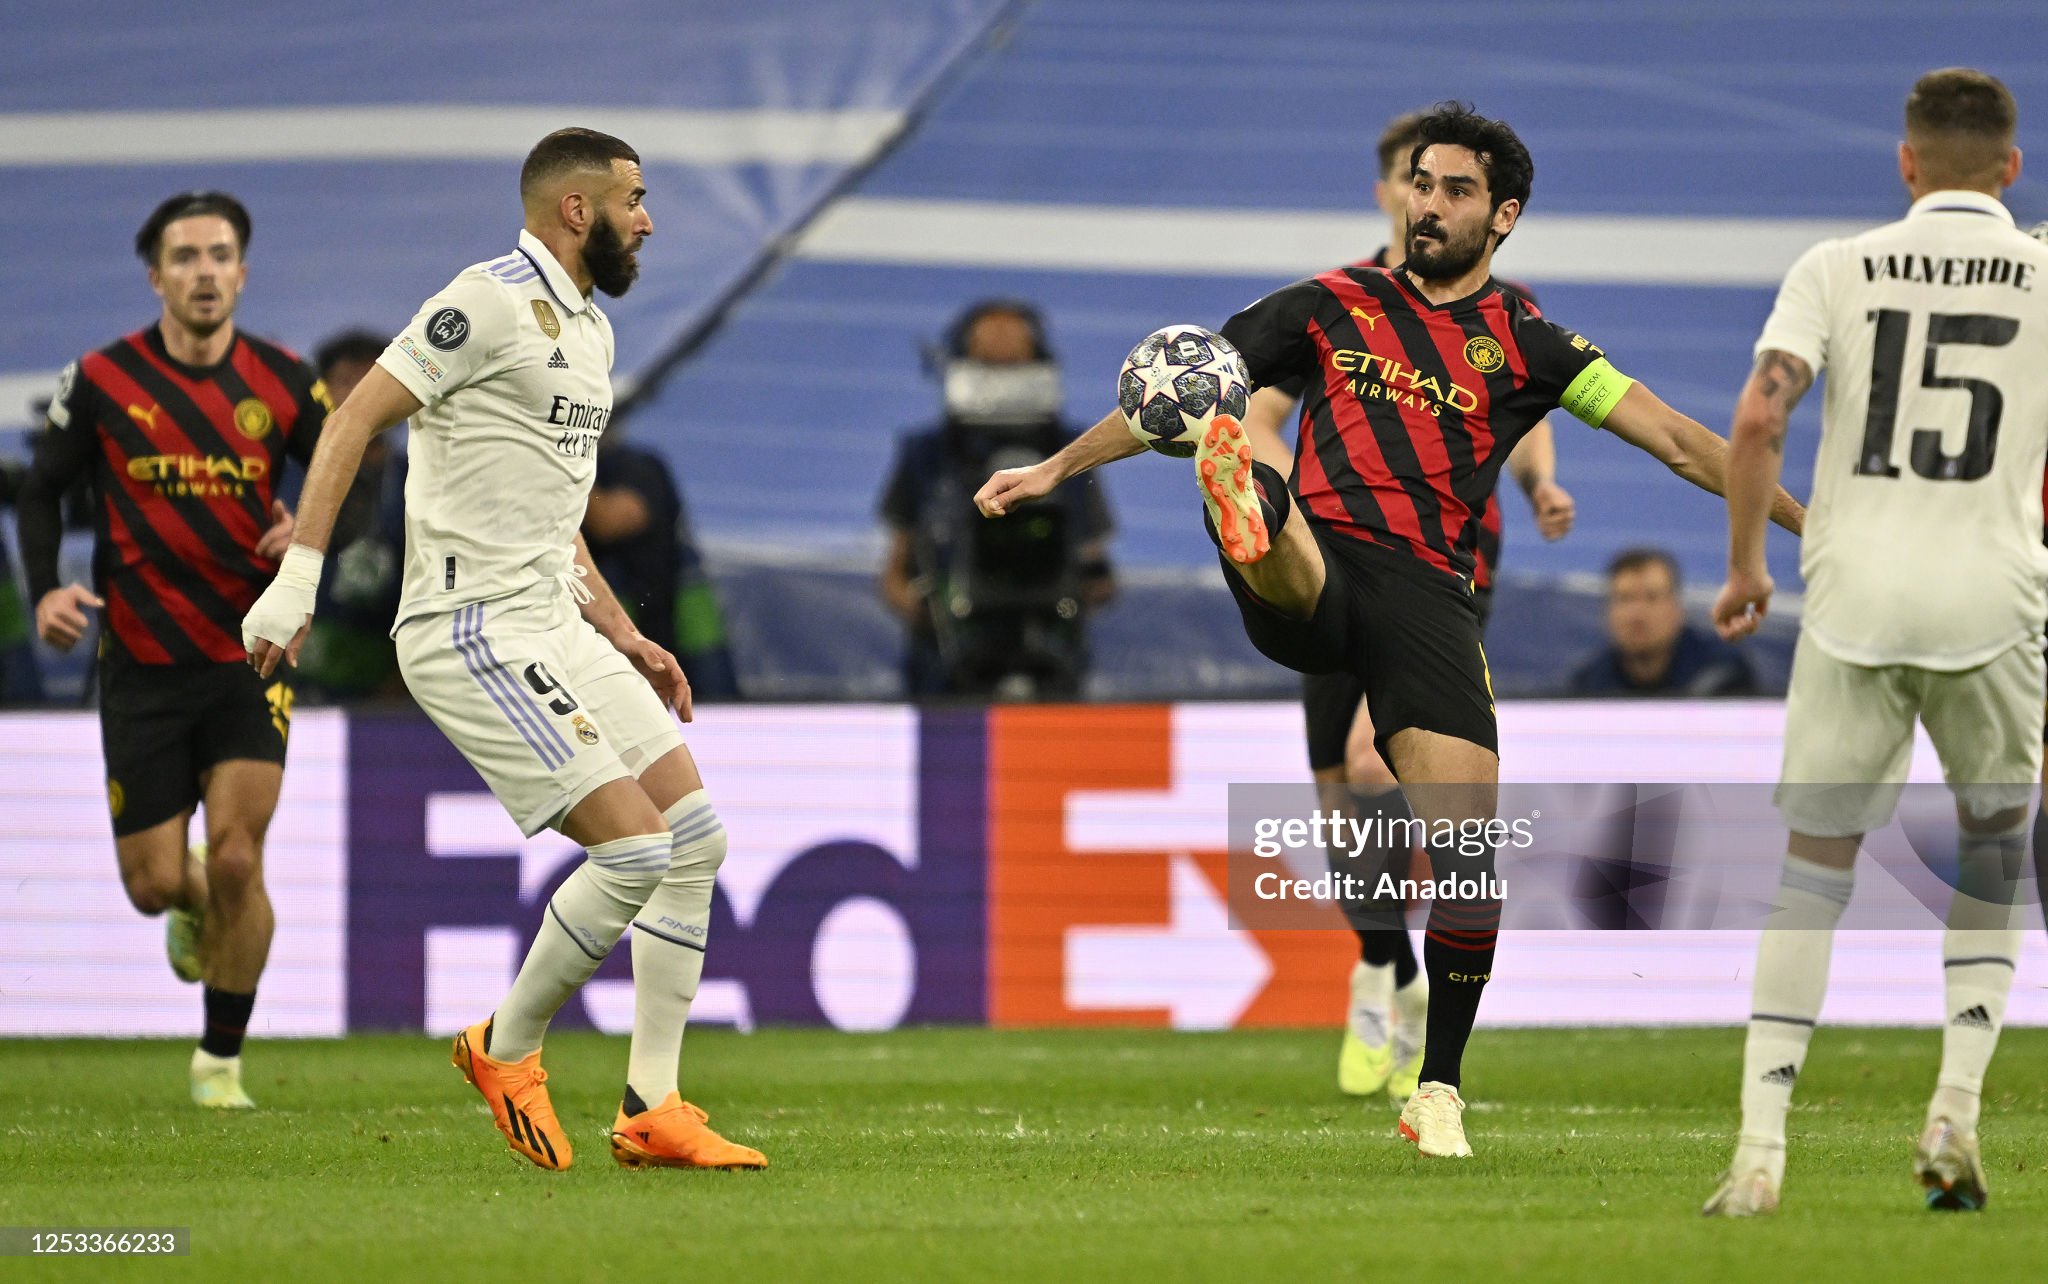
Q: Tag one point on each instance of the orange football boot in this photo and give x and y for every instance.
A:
(1223, 467)
(518, 1096)
(673, 1135)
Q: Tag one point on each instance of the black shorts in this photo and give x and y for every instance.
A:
(1408, 632)
(1329, 702)
(163, 725)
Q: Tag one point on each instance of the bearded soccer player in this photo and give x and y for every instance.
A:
(184, 429)
(1420, 381)
(515, 647)
(1389, 996)
(1933, 334)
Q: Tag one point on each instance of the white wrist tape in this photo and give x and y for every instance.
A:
(287, 604)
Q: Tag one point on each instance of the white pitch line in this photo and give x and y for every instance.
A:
(1566, 248)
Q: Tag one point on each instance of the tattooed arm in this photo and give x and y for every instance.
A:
(1756, 456)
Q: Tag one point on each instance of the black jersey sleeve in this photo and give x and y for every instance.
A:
(63, 452)
(1570, 369)
(1273, 336)
(314, 406)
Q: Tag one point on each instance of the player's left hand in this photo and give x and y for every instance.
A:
(1010, 487)
(276, 626)
(273, 542)
(661, 671)
(1743, 603)
(1554, 510)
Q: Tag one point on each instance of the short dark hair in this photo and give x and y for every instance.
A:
(1509, 170)
(961, 331)
(1635, 559)
(150, 239)
(1398, 140)
(350, 345)
(1965, 118)
(568, 150)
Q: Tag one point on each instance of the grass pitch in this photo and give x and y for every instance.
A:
(1036, 1156)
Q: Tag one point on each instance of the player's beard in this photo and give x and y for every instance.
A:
(611, 262)
(205, 327)
(1445, 259)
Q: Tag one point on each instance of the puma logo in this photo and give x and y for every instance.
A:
(146, 419)
(1371, 319)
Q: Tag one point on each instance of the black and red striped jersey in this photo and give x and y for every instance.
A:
(184, 464)
(1409, 409)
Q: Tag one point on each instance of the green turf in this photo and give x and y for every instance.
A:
(1039, 1156)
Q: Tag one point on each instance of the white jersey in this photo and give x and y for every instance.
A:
(1923, 542)
(512, 366)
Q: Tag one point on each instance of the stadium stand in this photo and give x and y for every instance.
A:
(1123, 169)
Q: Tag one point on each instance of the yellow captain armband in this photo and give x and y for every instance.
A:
(1594, 393)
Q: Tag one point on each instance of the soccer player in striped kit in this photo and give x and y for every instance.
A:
(1389, 996)
(1419, 382)
(184, 429)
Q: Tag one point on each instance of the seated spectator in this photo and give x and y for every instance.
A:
(1653, 651)
(993, 608)
(639, 537)
(349, 654)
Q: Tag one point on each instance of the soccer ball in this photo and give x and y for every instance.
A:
(1176, 382)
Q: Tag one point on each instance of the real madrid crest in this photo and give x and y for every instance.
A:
(546, 316)
(584, 731)
(252, 418)
(1484, 355)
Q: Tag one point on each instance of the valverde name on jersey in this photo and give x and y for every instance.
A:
(1925, 269)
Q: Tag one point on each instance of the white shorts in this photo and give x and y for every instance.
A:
(1849, 736)
(543, 707)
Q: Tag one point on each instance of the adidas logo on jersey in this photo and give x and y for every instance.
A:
(1785, 1075)
(558, 361)
(1976, 1018)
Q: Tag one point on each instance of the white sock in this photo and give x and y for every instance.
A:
(1979, 950)
(1411, 1016)
(1791, 981)
(1372, 993)
(582, 922)
(669, 936)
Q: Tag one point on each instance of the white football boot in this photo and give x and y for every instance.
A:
(1750, 1186)
(1947, 1163)
(1434, 1120)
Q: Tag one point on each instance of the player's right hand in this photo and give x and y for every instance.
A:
(1743, 603)
(60, 617)
(276, 627)
(1014, 486)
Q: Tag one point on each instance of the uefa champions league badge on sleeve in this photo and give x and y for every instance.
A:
(448, 329)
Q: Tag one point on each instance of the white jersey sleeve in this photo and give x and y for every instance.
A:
(461, 336)
(1800, 318)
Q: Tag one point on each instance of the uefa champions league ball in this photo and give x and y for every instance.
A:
(1175, 383)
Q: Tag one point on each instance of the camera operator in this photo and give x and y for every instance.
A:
(993, 608)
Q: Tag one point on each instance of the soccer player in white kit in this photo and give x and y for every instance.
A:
(515, 647)
(1925, 577)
